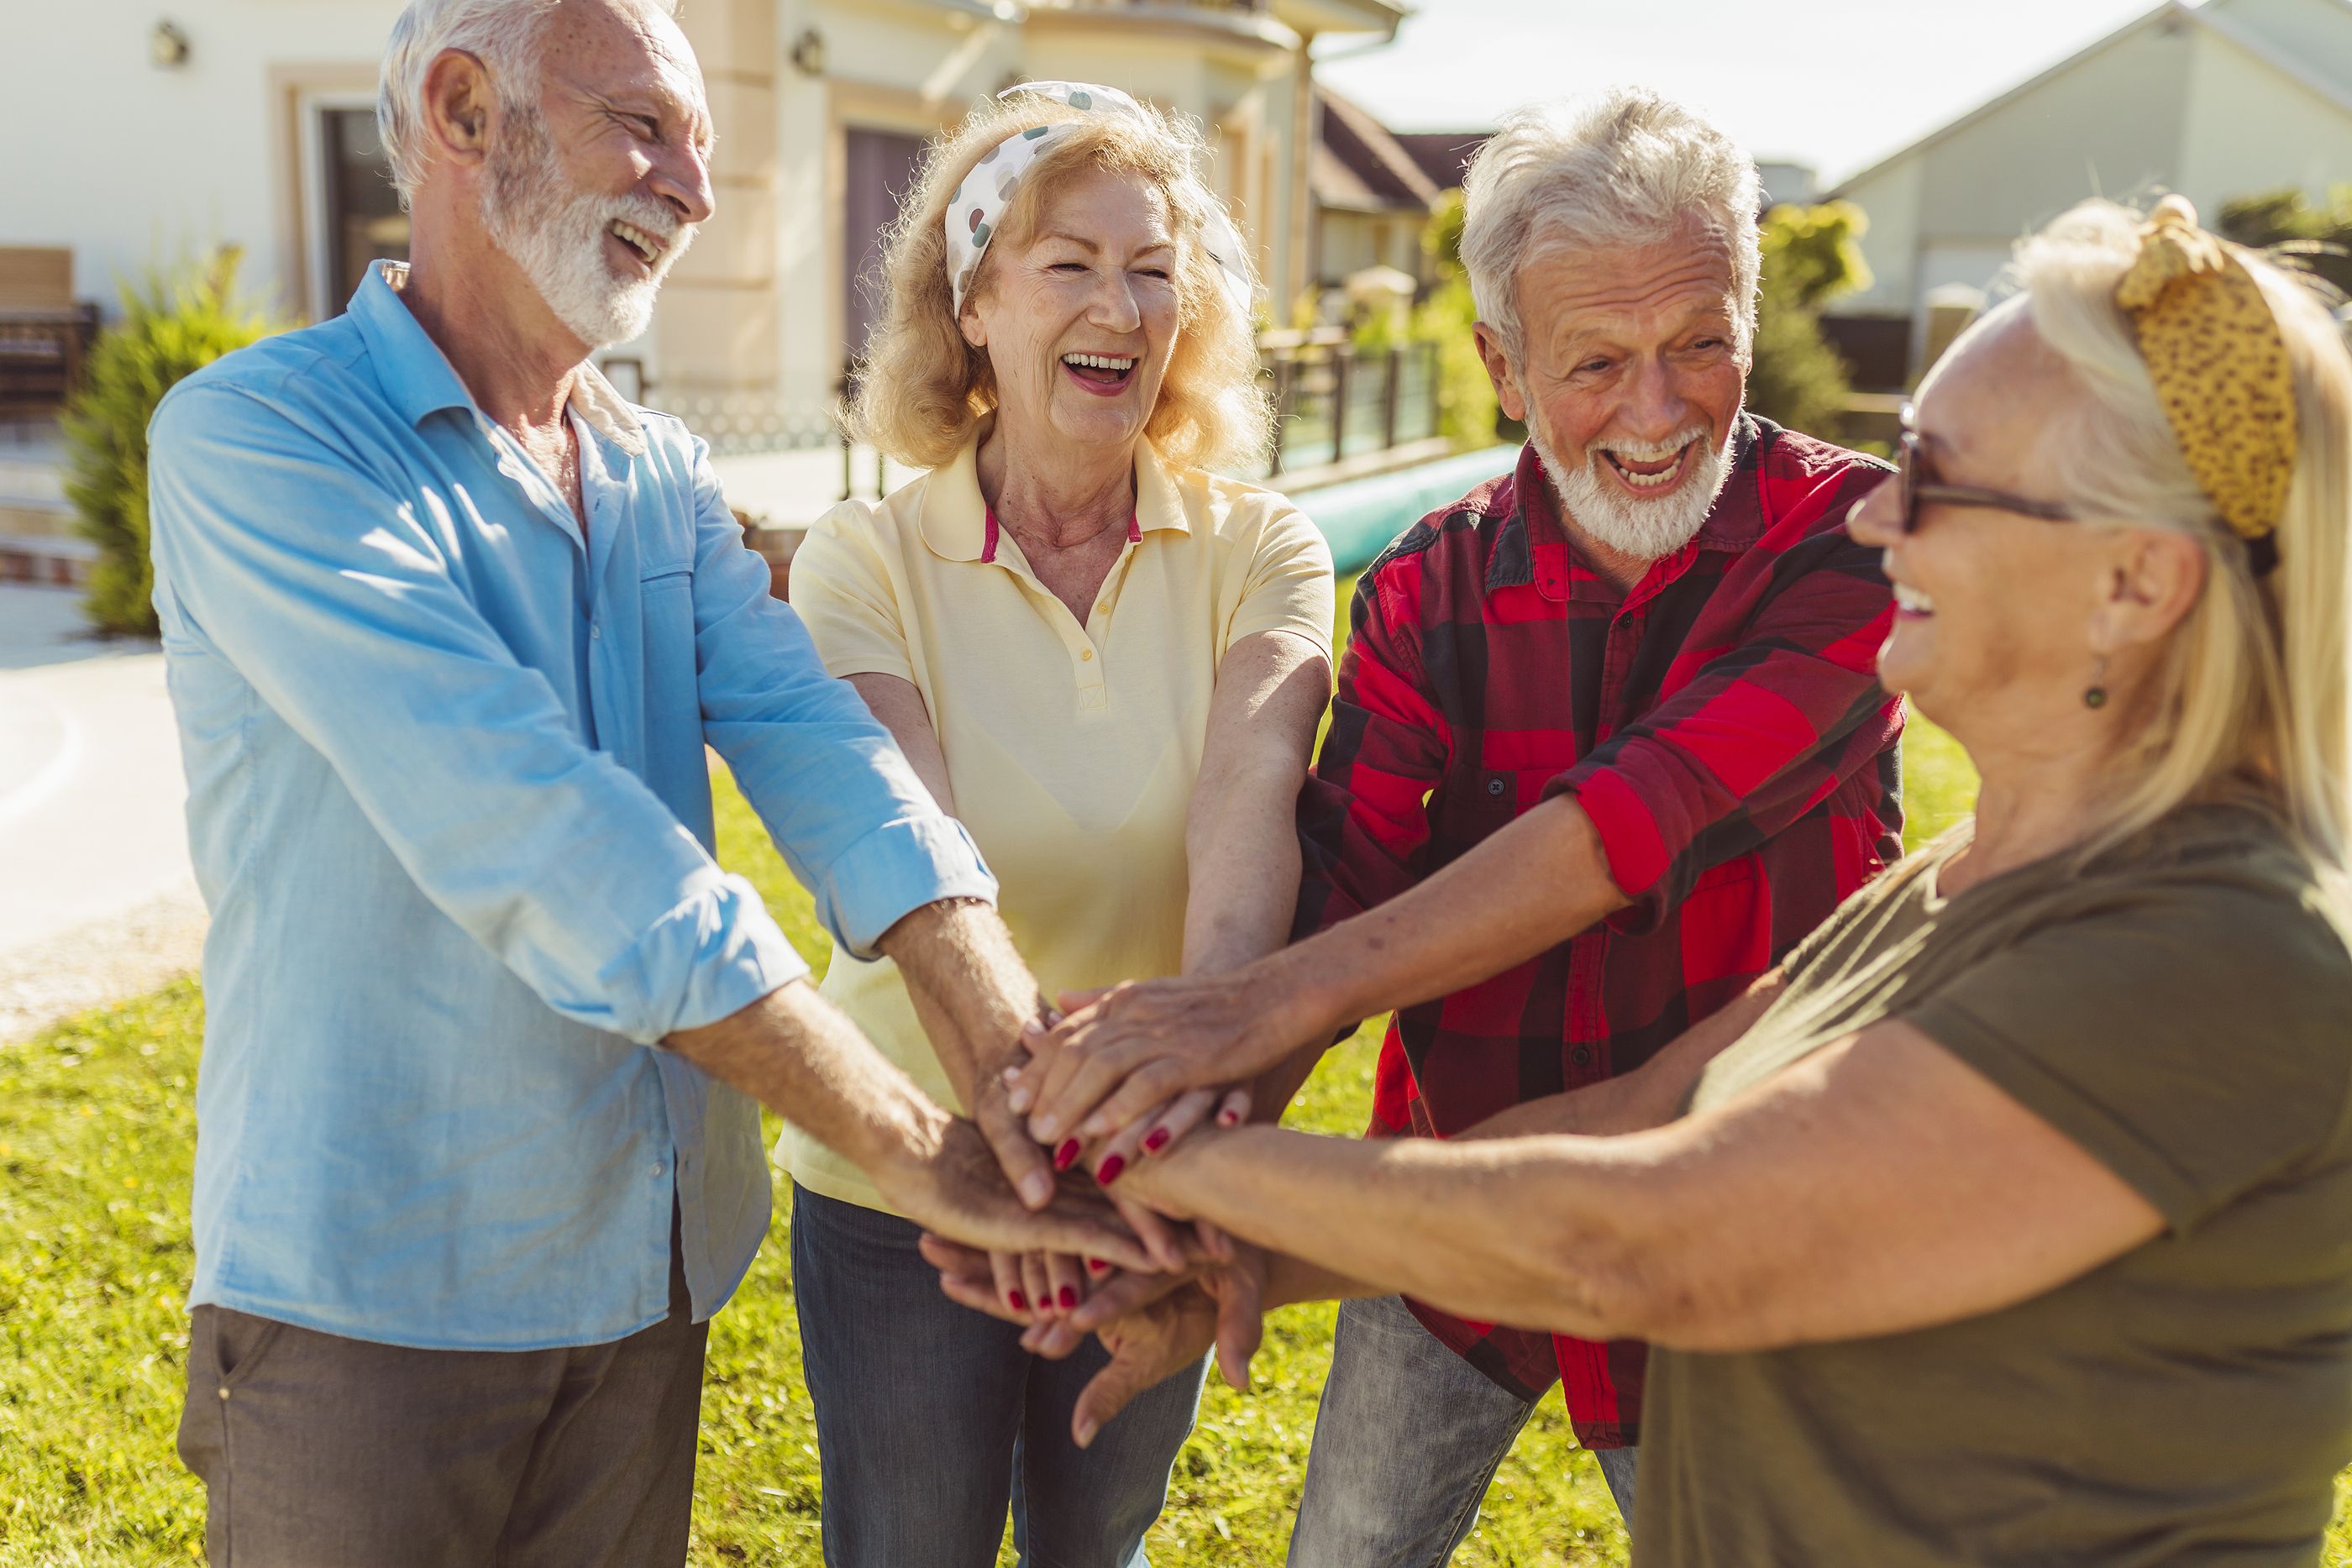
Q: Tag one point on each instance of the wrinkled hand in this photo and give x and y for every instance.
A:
(1147, 1047)
(1153, 1326)
(948, 1180)
(1017, 1153)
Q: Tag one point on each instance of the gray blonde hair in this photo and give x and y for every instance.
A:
(1629, 167)
(922, 388)
(2254, 693)
(502, 34)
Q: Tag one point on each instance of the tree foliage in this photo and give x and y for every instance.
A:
(1812, 255)
(2315, 238)
(171, 328)
(1466, 396)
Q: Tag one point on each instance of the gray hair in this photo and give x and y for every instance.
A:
(1628, 167)
(502, 34)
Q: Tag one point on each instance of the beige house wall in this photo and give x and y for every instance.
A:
(2251, 130)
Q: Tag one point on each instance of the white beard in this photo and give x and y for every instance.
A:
(556, 235)
(1644, 529)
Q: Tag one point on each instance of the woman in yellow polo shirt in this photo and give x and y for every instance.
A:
(1108, 662)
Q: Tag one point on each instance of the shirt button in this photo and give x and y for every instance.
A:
(1581, 1056)
(595, 628)
(1495, 786)
(1085, 654)
(659, 1168)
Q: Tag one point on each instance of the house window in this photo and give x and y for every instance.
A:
(365, 222)
(882, 168)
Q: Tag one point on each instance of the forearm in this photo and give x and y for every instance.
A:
(1517, 1231)
(1290, 1281)
(968, 985)
(1241, 856)
(1530, 887)
(1650, 1096)
(796, 1054)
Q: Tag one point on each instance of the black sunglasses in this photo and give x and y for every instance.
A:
(1918, 490)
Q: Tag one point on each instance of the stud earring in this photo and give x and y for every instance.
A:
(2095, 694)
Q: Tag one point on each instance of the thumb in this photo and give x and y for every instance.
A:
(1107, 1392)
(1241, 1328)
(1074, 1000)
(1022, 1162)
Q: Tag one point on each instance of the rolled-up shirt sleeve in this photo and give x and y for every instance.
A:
(844, 806)
(1760, 732)
(336, 604)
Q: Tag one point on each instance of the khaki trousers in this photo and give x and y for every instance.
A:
(318, 1452)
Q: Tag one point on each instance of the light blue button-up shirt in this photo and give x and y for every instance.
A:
(449, 807)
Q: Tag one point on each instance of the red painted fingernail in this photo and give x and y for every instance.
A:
(1065, 1156)
(1228, 1117)
(1069, 1297)
(1157, 1142)
(1098, 1266)
(1020, 1303)
(1110, 1169)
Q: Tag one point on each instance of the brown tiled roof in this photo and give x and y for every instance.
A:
(1441, 153)
(1359, 165)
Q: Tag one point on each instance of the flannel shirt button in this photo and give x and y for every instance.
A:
(1495, 786)
(1581, 1056)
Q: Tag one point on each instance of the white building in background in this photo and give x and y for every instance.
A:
(146, 134)
(2218, 100)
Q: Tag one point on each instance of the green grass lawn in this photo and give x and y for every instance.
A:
(96, 1128)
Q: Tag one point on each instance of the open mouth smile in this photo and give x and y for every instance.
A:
(644, 247)
(1912, 604)
(1651, 475)
(1103, 374)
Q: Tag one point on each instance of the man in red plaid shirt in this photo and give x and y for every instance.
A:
(1607, 742)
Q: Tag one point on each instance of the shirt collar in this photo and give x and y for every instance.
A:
(419, 378)
(955, 515)
(1734, 522)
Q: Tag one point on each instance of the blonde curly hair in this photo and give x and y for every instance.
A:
(922, 388)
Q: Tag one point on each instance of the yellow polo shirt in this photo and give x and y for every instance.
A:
(1072, 749)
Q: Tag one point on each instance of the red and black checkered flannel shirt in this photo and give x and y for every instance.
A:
(1721, 725)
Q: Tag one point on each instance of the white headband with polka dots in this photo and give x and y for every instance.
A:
(980, 202)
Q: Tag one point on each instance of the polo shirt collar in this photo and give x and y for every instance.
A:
(1734, 522)
(954, 520)
(419, 380)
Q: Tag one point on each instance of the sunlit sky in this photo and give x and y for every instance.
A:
(1835, 83)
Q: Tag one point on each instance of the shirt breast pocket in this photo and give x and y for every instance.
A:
(666, 600)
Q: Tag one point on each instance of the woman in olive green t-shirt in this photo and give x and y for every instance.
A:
(2011, 1220)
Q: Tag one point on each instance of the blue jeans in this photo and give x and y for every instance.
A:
(1407, 1438)
(931, 1419)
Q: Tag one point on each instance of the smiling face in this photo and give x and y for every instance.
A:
(2001, 619)
(1080, 320)
(1630, 381)
(595, 186)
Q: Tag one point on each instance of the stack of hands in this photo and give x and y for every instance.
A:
(1101, 1094)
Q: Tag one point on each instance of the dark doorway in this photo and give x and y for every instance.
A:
(363, 220)
(881, 166)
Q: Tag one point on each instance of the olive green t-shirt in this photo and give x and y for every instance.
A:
(2181, 1009)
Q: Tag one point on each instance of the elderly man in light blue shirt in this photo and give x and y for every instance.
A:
(449, 626)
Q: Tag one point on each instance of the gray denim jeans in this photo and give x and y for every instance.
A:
(933, 1422)
(317, 1449)
(1407, 1439)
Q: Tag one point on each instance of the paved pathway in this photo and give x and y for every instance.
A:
(97, 899)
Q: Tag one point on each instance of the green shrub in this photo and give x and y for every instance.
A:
(2317, 238)
(1465, 396)
(1810, 256)
(170, 328)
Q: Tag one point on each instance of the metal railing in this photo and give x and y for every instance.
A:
(1334, 401)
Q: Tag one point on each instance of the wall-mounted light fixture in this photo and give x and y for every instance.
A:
(808, 53)
(167, 46)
